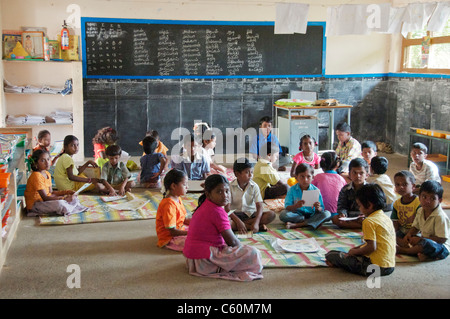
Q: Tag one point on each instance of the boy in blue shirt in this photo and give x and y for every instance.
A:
(152, 163)
(264, 135)
(190, 161)
(296, 214)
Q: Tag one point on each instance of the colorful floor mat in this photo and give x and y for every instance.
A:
(328, 237)
(99, 211)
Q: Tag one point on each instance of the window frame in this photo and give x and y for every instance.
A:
(407, 42)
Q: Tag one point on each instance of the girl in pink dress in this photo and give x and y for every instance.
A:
(329, 182)
(211, 248)
(307, 155)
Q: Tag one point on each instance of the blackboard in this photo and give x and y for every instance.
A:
(123, 48)
(164, 75)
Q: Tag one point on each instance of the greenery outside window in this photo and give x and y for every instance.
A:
(427, 52)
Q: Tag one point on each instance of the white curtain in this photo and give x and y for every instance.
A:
(357, 19)
(366, 18)
(439, 17)
(291, 18)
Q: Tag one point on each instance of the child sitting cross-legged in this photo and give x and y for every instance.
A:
(368, 151)
(266, 176)
(211, 248)
(347, 206)
(246, 206)
(69, 177)
(306, 154)
(209, 140)
(433, 224)
(348, 147)
(105, 136)
(378, 234)
(329, 182)
(114, 179)
(296, 214)
(378, 167)
(171, 215)
(405, 208)
(423, 169)
(191, 160)
(40, 199)
(152, 163)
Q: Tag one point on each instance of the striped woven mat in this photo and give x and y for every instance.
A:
(99, 211)
(329, 237)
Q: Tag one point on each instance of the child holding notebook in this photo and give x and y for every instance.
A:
(296, 213)
(69, 177)
(40, 198)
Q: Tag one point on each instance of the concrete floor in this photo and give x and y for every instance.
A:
(121, 260)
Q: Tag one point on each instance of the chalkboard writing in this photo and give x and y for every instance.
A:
(117, 48)
(134, 106)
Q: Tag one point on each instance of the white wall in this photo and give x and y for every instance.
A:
(345, 54)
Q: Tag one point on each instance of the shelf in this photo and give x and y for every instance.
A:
(53, 74)
(13, 204)
(11, 229)
(37, 61)
(7, 204)
(43, 94)
(34, 125)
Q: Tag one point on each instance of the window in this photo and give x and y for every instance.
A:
(427, 52)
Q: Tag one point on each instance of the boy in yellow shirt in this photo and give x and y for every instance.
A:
(405, 208)
(266, 177)
(378, 234)
(432, 223)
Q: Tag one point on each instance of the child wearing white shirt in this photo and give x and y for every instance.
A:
(246, 206)
(422, 169)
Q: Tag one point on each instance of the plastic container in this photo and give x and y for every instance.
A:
(64, 37)
(21, 189)
(422, 131)
(4, 179)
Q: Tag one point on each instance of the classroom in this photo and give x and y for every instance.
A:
(132, 66)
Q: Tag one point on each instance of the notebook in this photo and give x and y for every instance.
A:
(194, 186)
(57, 148)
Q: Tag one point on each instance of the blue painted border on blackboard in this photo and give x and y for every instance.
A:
(390, 74)
(195, 22)
(419, 75)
